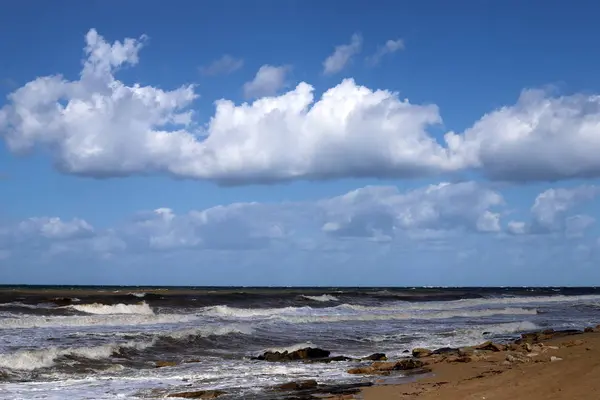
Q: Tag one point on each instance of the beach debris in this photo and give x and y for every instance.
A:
(200, 394)
(553, 359)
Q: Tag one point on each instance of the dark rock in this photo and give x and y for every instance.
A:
(589, 329)
(446, 351)
(407, 351)
(376, 357)
(308, 353)
(384, 368)
(200, 394)
(408, 364)
(298, 385)
(490, 346)
(536, 337)
(330, 359)
(419, 352)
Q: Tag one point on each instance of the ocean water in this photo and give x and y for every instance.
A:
(103, 342)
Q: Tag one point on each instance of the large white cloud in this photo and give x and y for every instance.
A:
(99, 126)
(539, 138)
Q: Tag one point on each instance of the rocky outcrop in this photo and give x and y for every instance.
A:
(420, 352)
(490, 346)
(298, 385)
(385, 368)
(537, 337)
(376, 357)
(200, 394)
(308, 353)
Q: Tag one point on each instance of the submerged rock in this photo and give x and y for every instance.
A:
(161, 364)
(200, 394)
(376, 357)
(298, 385)
(330, 359)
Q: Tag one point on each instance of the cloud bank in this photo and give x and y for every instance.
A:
(99, 126)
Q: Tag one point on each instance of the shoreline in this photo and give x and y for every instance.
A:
(534, 368)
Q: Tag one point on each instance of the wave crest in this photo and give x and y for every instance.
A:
(323, 298)
(97, 308)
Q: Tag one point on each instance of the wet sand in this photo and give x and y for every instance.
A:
(575, 375)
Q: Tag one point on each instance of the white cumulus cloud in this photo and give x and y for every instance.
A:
(385, 210)
(342, 55)
(538, 138)
(55, 228)
(550, 208)
(98, 126)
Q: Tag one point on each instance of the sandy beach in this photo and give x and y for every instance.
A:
(558, 368)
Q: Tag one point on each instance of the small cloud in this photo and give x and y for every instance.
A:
(390, 47)
(342, 55)
(223, 66)
(517, 228)
(267, 82)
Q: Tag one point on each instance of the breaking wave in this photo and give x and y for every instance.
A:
(29, 360)
(323, 298)
(96, 308)
(93, 320)
(354, 313)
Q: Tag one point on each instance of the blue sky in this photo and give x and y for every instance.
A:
(300, 143)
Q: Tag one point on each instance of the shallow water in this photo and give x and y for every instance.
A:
(102, 343)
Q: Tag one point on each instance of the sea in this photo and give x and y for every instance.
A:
(104, 342)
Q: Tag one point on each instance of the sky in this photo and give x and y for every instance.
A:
(284, 143)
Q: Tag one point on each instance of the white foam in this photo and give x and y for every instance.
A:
(291, 348)
(34, 359)
(23, 305)
(355, 313)
(29, 321)
(323, 298)
(226, 311)
(407, 316)
(138, 294)
(96, 308)
(209, 330)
